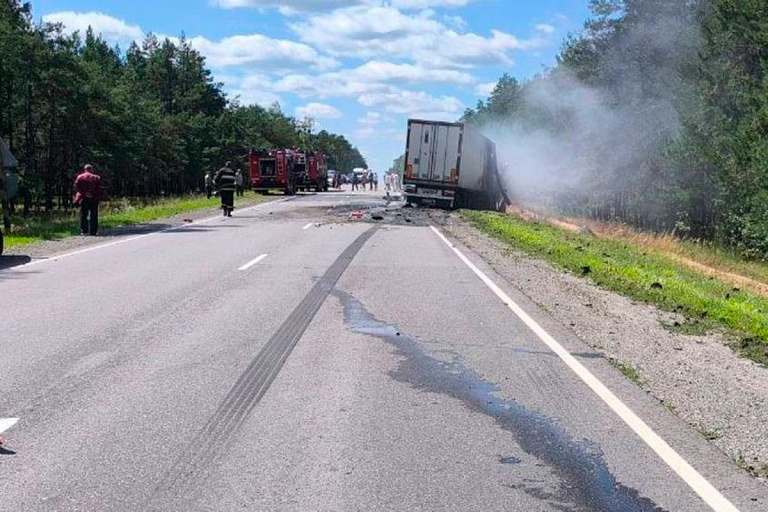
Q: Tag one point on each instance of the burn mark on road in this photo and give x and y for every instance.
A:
(586, 481)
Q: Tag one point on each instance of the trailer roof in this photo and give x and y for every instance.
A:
(441, 123)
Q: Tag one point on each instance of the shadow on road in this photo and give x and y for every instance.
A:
(7, 262)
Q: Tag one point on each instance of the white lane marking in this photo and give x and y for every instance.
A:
(693, 478)
(137, 237)
(308, 226)
(252, 263)
(6, 423)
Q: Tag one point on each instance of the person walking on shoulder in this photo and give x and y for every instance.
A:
(208, 184)
(226, 183)
(88, 194)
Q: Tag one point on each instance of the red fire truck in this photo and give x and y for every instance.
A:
(271, 170)
(318, 172)
(288, 170)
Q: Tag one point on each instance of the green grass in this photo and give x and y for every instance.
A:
(629, 372)
(642, 274)
(114, 214)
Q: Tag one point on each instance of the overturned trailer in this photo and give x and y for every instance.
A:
(452, 165)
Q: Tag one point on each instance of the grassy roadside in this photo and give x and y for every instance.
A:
(721, 261)
(642, 273)
(114, 214)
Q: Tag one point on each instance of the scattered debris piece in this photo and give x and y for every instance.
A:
(356, 215)
(188, 221)
(377, 217)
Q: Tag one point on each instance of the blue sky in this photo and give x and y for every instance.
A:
(357, 67)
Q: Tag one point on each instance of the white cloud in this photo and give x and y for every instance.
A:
(485, 90)
(291, 7)
(318, 111)
(276, 55)
(368, 125)
(250, 90)
(373, 76)
(410, 102)
(388, 72)
(545, 28)
(371, 32)
(370, 119)
(112, 30)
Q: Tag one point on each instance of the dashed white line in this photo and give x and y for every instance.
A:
(308, 226)
(708, 493)
(138, 237)
(6, 423)
(252, 263)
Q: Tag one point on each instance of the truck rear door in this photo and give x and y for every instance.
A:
(434, 151)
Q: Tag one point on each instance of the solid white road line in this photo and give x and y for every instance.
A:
(693, 478)
(308, 226)
(6, 423)
(137, 237)
(252, 263)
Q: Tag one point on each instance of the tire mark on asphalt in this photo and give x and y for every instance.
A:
(194, 464)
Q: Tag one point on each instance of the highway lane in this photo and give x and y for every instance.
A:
(413, 387)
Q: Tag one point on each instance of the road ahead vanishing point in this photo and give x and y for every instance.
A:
(292, 359)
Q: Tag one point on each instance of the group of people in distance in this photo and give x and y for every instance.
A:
(367, 177)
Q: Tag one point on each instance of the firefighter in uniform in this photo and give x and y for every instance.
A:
(226, 182)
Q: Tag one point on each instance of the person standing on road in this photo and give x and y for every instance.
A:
(395, 182)
(239, 183)
(355, 181)
(226, 183)
(208, 184)
(376, 181)
(88, 195)
(388, 182)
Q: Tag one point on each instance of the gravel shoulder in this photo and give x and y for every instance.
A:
(720, 394)
(50, 248)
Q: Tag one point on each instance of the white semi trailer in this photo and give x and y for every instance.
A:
(451, 165)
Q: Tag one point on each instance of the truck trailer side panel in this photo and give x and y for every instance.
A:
(451, 164)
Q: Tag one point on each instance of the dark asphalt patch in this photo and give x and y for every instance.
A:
(587, 483)
(191, 469)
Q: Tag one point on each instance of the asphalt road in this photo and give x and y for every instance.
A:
(292, 359)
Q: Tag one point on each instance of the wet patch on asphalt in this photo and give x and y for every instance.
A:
(586, 481)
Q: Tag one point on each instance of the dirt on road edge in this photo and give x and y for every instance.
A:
(700, 378)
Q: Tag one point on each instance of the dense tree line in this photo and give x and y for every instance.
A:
(151, 118)
(660, 108)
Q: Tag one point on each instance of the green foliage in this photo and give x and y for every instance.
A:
(151, 119)
(689, 82)
(643, 274)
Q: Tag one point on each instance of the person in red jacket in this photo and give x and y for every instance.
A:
(88, 194)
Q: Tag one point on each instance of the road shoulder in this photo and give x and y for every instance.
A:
(703, 381)
(50, 248)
